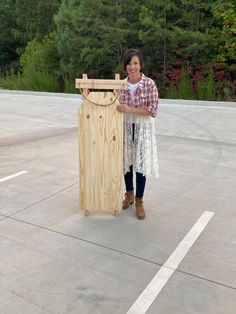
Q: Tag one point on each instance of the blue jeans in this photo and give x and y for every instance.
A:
(140, 182)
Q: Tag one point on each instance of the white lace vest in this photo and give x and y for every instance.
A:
(142, 152)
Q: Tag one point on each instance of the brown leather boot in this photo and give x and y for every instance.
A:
(140, 213)
(129, 199)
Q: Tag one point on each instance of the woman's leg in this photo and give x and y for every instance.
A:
(129, 175)
(129, 195)
(140, 184)
(140, 187)
(129, 180)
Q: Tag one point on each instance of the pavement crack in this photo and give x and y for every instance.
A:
(37, 136)
(39, 201)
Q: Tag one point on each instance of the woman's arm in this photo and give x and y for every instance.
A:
(127, 109)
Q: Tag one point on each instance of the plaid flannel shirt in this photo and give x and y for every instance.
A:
(146, 96)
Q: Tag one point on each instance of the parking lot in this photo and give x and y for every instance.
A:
(180, 260)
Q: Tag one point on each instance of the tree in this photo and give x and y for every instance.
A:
(8, 44)
(41, 56)
(92, 35)
(34, 20)
(175, 35)
(69, 37)
(225, 15)
(176, 29)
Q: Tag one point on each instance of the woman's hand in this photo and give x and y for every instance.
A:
(123, 108)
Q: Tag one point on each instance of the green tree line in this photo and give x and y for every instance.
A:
(189, 46)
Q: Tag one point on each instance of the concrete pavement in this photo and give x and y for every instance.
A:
(53, 259)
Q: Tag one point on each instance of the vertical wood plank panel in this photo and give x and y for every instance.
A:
(100, 154)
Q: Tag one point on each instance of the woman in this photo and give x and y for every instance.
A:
(139, 103)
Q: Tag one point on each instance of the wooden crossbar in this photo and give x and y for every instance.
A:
(85, 83)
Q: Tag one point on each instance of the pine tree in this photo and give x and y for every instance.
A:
(92, 35)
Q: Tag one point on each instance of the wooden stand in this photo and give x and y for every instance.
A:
(100, 146)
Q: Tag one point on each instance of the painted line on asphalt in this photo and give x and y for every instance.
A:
(13, 176)
(149, 294)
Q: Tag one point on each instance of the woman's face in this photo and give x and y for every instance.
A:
(133, 68)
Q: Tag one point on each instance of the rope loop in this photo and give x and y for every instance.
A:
(96, 104)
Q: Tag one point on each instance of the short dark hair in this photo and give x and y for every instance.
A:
(129, 54)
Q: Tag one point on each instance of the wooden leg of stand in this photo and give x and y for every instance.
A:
(116, 213)
(86, 212)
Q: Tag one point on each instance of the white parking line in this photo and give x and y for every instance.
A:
(147, 297)
(13, 176)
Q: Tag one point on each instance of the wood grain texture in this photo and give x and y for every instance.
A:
(100, 154)
(100, 84)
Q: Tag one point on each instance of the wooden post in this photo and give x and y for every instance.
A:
(100, 146)
(85, 91)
